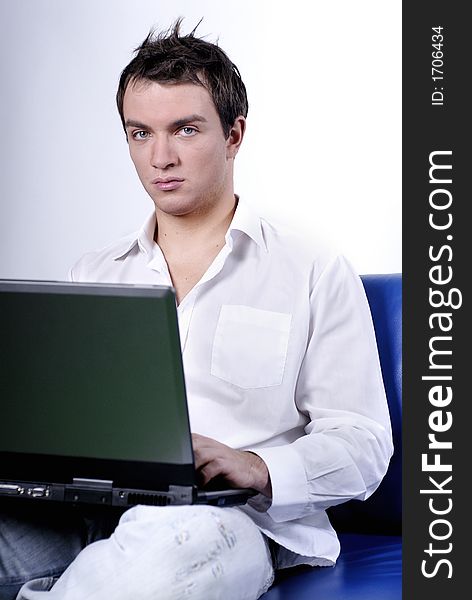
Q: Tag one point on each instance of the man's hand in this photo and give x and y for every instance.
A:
(240, 469)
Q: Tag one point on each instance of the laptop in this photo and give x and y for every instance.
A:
(93, 406)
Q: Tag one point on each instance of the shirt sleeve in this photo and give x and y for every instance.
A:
(348, 442)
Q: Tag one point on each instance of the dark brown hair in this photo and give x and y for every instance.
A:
(170, 57)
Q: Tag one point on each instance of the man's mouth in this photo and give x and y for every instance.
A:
(167, 184)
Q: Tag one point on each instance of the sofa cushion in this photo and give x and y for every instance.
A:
(369, 568)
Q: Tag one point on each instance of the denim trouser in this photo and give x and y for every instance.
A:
(42, 539)
(154, 553)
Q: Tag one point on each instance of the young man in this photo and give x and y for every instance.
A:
(284, 387)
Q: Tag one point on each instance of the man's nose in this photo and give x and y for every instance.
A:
(164, 153)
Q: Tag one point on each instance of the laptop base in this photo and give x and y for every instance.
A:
(102, 492)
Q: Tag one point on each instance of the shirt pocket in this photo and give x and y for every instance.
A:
(250, 346)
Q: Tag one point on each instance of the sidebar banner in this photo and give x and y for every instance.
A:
(437, 130)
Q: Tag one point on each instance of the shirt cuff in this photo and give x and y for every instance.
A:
(290, 497)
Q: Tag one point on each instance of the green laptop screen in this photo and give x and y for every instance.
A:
(92, 374)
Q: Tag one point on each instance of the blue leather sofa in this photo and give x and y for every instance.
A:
(369, 566)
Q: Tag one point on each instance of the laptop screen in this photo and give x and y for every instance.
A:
(92, 371)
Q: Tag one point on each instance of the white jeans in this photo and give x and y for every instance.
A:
(169, 553)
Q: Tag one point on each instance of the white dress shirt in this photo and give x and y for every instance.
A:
(280, 358)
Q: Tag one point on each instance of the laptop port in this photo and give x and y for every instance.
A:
(9, 489)
(40, 491)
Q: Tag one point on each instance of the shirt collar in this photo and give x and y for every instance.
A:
(143, 239)
(244, 220)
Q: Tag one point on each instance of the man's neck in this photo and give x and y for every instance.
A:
(190, 232)
(191, 244)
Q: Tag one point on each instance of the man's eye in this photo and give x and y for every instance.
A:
(140, 135)
(188, 131)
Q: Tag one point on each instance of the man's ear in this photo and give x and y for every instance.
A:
(235, 137)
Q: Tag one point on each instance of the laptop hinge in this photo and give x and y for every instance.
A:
(105, 484)
(89, 491)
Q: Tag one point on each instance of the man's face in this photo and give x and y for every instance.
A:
(178, 147)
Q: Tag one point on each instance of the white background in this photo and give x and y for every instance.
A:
(322, 151)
